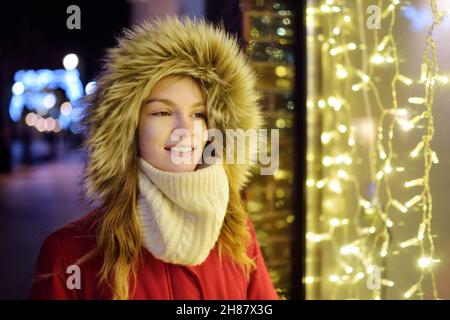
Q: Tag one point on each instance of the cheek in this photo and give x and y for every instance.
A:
(151, 136)
(203, 137)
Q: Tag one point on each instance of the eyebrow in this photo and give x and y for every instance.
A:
(170, 102)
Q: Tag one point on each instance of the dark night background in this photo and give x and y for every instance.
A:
(39, 187)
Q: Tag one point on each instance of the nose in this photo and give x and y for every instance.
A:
(183, 121)
(184, 127)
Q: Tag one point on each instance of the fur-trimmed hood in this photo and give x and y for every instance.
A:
(143, 57)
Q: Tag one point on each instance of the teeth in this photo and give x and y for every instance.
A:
(181, 149)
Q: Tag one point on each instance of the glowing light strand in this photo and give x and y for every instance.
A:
(376, 236)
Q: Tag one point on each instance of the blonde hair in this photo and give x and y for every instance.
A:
(111, 119)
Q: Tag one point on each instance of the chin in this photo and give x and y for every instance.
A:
(164, 162)
(181, 167)
(169, 165)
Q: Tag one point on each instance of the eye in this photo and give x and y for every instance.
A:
(200, 115)
(161, 113)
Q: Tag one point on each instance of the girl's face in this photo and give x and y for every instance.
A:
(175, 102)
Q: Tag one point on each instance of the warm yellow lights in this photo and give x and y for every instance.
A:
(281, 71)
(350, 249)
(325, 137)
(417, 149)
(384, 249)
(383, 43)
(413, 201)
(405, 80)
(421, 232)
(399, 206)
(414, 183)
(334, 278)
(322, 104)
(377, 59)
(426, 262)
(416, 100)
(335, 103)
(309, 280)
(362, 74)
(410, 291)
(341, 73)
(335, 186)
(409, 243)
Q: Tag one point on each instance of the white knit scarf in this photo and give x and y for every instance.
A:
(181, 213)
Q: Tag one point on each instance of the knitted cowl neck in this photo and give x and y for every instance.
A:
(181, 213)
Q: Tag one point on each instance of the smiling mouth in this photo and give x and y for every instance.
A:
(180, 150)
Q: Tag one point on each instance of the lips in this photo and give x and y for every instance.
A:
(181, 149)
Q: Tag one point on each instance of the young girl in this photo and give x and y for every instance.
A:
(168, 226)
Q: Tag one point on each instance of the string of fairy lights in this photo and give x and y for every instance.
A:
(355, 225)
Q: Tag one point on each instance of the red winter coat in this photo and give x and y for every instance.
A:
(155, 278)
